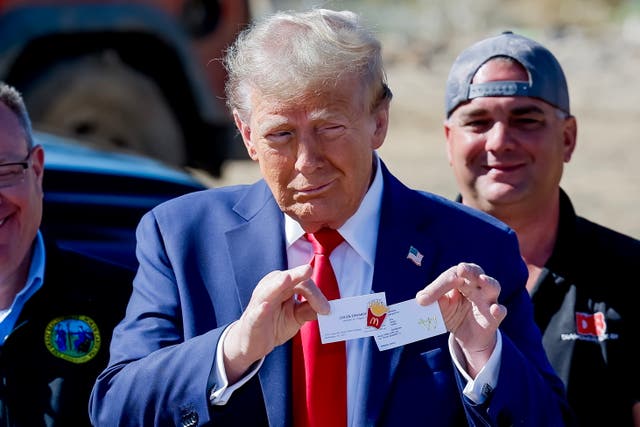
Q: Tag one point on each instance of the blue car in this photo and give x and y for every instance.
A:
(94, 199)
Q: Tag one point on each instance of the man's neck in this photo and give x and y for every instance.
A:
(537, 230)
(537, 234)
(8, 292)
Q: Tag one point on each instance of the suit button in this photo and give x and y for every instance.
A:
(190, 419)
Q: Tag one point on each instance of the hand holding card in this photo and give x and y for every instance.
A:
(349, 318)
(369, 315)
(408, 322)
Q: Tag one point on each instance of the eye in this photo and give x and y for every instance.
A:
(528, 123)
(10, 171)
(332, 131)
(477, 125)
(279, 137)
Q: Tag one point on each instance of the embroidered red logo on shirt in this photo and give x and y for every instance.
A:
(591, 324)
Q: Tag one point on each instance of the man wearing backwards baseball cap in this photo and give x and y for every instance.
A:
(509, 131)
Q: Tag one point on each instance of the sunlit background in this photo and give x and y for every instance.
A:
(145, 76)
(596, 41)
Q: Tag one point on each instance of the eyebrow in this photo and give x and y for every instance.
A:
(517, 111)
(528, 109)
(272, 122)
(477, 112)
(12, 160)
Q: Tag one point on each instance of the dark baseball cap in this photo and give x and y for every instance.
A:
(546, 78)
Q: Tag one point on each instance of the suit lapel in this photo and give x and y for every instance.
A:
(400, 278)
(257, 247)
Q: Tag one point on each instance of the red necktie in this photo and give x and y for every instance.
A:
(320, 370)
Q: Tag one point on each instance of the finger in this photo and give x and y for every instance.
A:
(469, 270)
(303, 312)
(499, 312)
(313, 295)
(279, 285)
(490, 287)
(483, 290)
(476, 280)
(445, 282)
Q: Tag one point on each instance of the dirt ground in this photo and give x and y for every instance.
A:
(602, 66)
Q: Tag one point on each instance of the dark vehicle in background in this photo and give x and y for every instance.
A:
(135, 75)
(93, 199)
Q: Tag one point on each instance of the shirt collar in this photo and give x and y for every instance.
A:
(361, 230)
(36, 271)
(35, 278)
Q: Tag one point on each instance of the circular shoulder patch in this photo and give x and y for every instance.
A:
(73, 338)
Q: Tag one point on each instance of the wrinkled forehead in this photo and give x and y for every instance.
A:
(351, 91)
(516, 106)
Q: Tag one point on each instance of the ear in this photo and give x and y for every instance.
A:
(448, 138)
(37, 162)
(570, 136)
(381, 117)
(245, 133)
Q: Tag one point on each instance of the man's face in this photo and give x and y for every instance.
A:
(316, 152)
(20, 204)
(508, 151)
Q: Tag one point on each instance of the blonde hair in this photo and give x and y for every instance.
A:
(291, 53)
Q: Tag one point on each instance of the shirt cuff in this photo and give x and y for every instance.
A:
(220, 395)
(480, 388)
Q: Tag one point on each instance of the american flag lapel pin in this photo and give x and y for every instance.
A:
(415, 256)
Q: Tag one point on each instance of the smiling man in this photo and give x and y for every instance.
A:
(509, 132)
(221, 327)
(57, 307)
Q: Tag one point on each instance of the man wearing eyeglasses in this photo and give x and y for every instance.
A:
(57, 308)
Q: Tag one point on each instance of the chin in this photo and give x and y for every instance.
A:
(498, 191)
(316, 218)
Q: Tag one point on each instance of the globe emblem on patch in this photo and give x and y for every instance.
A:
(73, 338)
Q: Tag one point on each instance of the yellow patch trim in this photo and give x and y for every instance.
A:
(73, 338)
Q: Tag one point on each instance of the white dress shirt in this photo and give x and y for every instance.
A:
(353, 265)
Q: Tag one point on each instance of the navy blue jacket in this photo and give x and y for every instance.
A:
(60, 343)
(201, 256)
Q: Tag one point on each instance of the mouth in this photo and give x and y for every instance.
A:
(313, 190)
(502, 168)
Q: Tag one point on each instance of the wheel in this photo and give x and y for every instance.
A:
(102, 101)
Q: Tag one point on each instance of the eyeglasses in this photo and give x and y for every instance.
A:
(13, 173)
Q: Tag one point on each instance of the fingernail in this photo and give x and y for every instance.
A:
(326, 309)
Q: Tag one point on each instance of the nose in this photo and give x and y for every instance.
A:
(309, 153)
(498, 138)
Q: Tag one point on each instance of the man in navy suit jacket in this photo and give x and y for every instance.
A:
(207, 338)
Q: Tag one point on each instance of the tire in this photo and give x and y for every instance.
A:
(102, 101)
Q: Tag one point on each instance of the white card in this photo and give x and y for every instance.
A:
(352, 318)
(408, 322)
